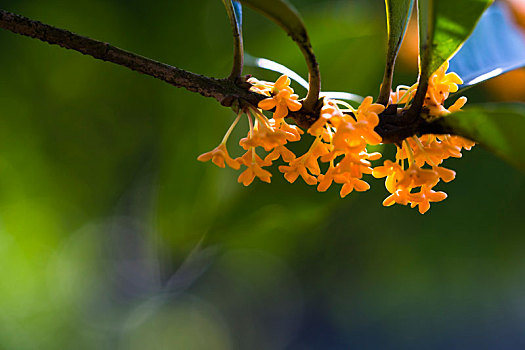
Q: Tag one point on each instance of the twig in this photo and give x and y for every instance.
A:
(222, 90)
(393, 126)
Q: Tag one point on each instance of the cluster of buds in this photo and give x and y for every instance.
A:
(338, 153)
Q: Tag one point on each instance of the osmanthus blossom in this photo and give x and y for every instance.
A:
(425, 153)
(282, 99)
(219, 155)
(341, 135)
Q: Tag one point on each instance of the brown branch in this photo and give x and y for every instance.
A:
(393, 126)
(222, 90)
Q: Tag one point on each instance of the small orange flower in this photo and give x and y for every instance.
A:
(440, 85)
(368, 112)
(297, 167)
(326, 179)
(351, 184)
(415, 176)
(445, 174)
(254, 168)
(329, 112)
(265, 136)
(401, 196)
(283, 99)
(293, 133)
(247, 176)
(460, 142)
(280, 151)
(393, 173)
(427, 195)
(218, 156)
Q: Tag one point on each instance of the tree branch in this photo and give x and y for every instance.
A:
(393, 126)
(222, 90)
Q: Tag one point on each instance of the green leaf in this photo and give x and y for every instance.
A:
(285, 15)
(499, 127)
(443, 26)
(397, 15)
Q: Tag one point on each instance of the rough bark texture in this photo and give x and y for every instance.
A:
(393, 127)
(220, 89)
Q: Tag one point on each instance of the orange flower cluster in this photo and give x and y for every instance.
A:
(341, 135)
(341, 139)
(269, 134)
(427, 149)
(440, 85)
(418, 151)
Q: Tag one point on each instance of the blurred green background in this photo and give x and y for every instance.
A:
(113, 236)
